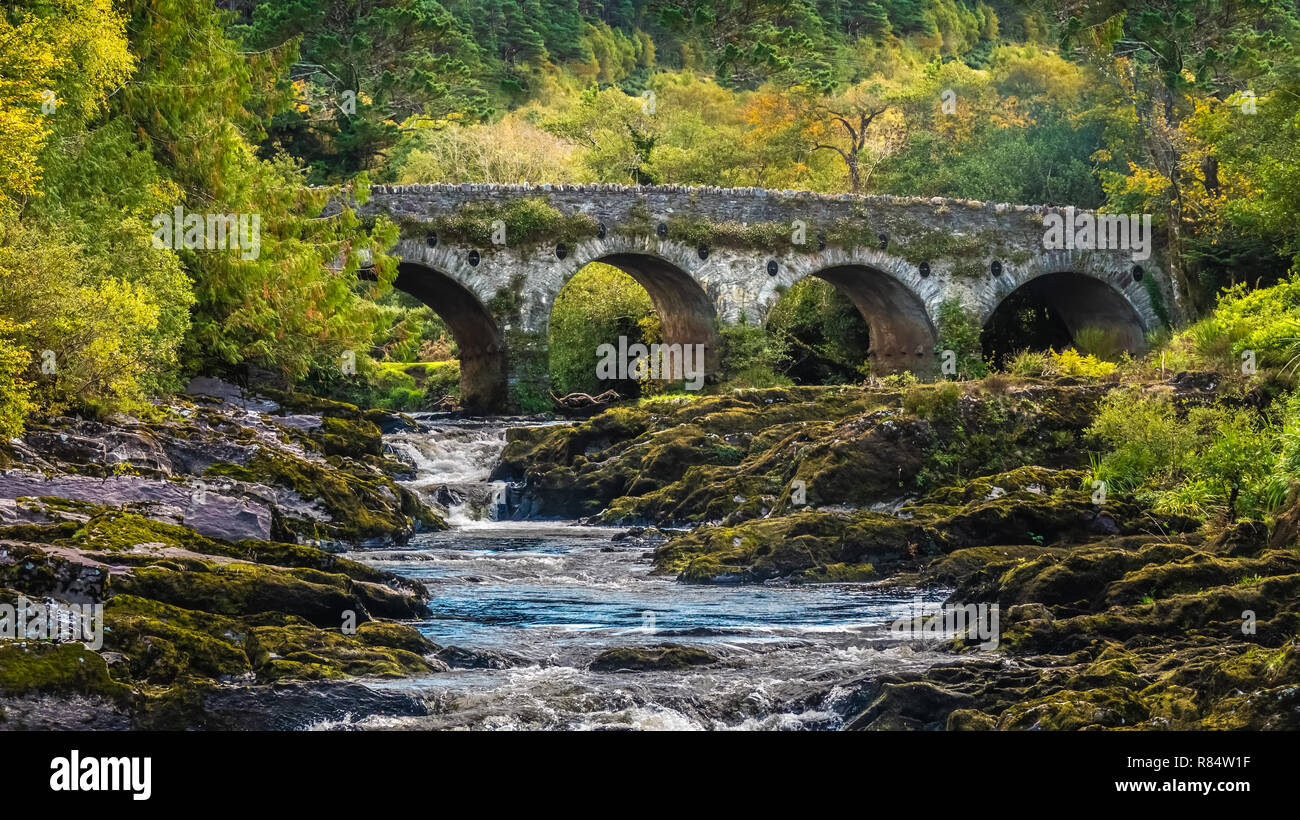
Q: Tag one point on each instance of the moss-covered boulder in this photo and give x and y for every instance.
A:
(184, 613)
(754, 453)
(672, 657)
(805, 543)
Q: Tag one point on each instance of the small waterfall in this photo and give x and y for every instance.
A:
(452, 461)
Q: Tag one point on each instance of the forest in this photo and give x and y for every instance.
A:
(116, 112)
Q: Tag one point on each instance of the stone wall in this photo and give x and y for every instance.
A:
(905, 257)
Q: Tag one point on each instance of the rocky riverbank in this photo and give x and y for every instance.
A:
(208, 531)
(1113, 616)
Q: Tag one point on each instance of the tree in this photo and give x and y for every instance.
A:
(298, 301)
(619, 132)
(1163, 53)
(844, 125)
(59, 59)
(363, 71)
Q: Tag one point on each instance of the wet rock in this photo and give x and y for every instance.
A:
(389, 423)
(688, 461)
(970, 720)
(283, 707)
(205, 509)
(911, 705)
(447, 497)
(63, 712)
(458, 657)
(671, 657)
(231, 394)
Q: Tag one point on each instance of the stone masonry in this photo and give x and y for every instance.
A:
(910, 255)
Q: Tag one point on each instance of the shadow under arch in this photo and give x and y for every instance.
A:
(687, 315)
(1076, 301)
(481, 343)
(902, 337)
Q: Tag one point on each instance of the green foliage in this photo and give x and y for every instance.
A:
(406, 386)
(1203, 461)
(1070, 362)
(1030, 363)
(618, 131)
(513, 150)
(297, 304)
(365, 70)
(1099, 342)
(60, 60)
(526, 220)
(100, 332)
(825, 334)
(960, 333)
(1264, 322)
(14, 391)
(698, 231)
(412, 331)
(596, 307)
(934, 402)
(234, 108)
(751, 357)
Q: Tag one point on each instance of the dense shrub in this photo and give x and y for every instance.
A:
(1209, 461)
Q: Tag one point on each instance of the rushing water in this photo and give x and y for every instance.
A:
(542, 599)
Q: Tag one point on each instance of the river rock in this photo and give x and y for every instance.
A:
(207, 511)
(645, 659)
(459, 657)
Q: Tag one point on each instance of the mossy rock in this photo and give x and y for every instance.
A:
(163, 642)
(1028, 483)
(840, 573)
(350, 438)
(671, 657)
(911, 705)
(298, 651)
(737, 456)
(1069, 710)
(56, 668)
(970, 720)
(395, 636)
(243, 589)
(361, 506)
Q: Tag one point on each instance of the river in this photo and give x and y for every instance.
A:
(542, 599)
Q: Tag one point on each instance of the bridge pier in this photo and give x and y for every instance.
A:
(921, 363)
(483, 379)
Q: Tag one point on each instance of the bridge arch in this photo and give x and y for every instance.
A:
(1084, 290)
(483, 363)
(896, 301)
(674, 276)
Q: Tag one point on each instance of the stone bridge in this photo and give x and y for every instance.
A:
(491, 259)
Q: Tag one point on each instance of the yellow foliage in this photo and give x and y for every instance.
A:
(1070, 362)
(60, 59)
